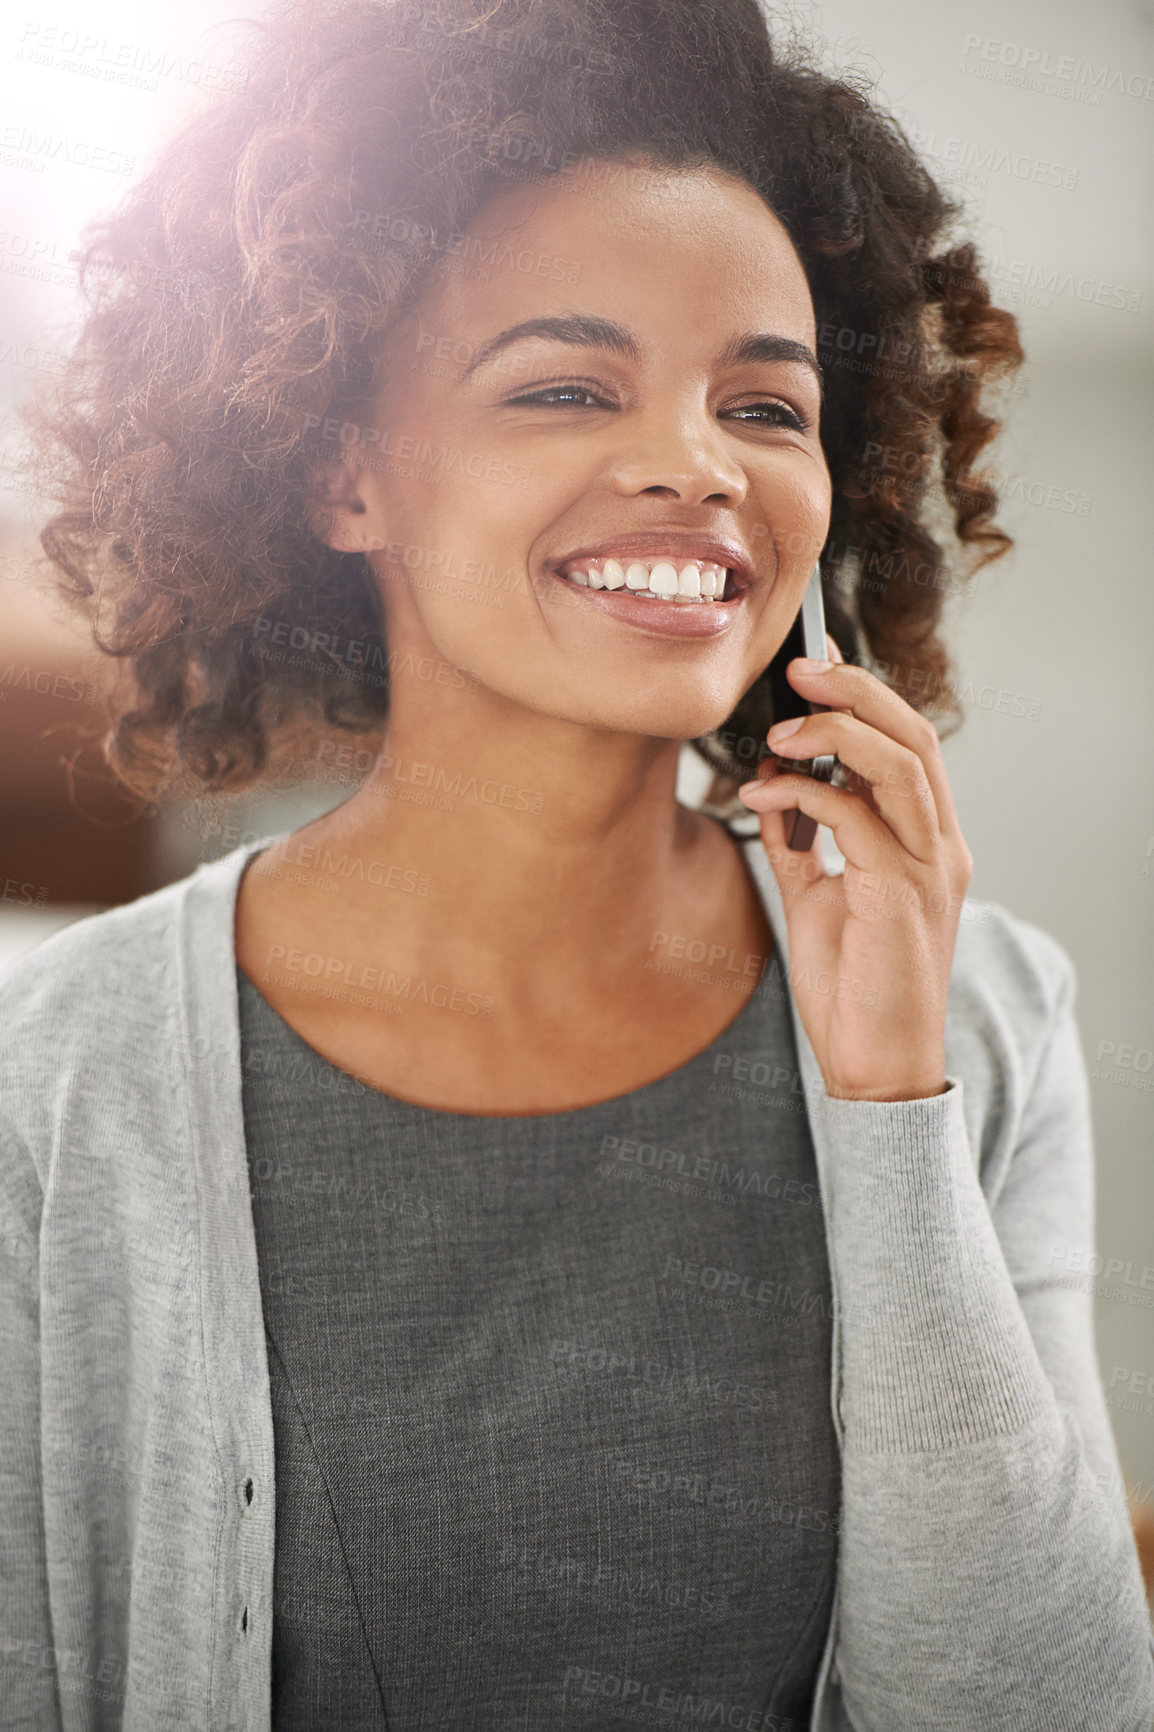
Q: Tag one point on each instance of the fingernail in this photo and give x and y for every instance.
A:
(782, 730)
(810, 665)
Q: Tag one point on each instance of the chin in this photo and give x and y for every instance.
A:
(674, 721)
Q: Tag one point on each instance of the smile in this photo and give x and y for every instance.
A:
(661, 579)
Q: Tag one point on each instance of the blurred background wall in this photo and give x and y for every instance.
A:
(1038, 114)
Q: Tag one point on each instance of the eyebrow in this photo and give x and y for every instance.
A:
(587, 331)
(768, 346)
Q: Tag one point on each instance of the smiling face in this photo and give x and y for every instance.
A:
(628, 376)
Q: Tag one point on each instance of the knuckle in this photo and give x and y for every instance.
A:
(919, 784)
(928, 741)
(886, 692)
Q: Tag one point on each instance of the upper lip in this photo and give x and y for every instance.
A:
(683, 544)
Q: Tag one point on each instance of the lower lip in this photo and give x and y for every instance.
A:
(658, 618)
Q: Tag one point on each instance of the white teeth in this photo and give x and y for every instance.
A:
(663, 578)
(696, 581)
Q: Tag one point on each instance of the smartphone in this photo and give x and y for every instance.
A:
(806, 637)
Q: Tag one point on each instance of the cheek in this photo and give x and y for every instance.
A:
(457, 558)
(792, 519)
(449, 499)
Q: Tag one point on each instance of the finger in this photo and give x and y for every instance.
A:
(901, 793)
(844, 776)
(867, 843)
(795, 869)
(845, 687)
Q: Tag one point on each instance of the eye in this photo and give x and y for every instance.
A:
(569, 396)
(781, 415)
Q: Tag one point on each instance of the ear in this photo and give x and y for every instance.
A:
(337, 513)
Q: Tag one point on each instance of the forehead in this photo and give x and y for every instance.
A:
(691, 243)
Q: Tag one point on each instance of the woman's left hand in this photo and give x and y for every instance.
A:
(870, 949)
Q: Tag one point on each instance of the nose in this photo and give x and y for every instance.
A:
(679, 457)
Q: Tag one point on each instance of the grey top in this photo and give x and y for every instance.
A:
(986, 1575)
(574, 1366)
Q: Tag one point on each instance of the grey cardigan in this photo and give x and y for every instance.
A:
(987, 1575)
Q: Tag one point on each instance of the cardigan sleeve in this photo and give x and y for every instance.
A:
(988, 1575)
(28, 1682)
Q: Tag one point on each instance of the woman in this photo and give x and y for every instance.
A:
(435, 1297)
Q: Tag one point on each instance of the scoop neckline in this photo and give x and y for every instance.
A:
(286, 1028)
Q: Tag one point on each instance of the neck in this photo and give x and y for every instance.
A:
(551, 851)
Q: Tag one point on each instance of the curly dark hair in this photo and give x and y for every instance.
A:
(237, 297)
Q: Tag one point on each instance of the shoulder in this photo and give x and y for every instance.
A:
(87, 970)
(91, 1019)
(1000, 953)
(1006, 963)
